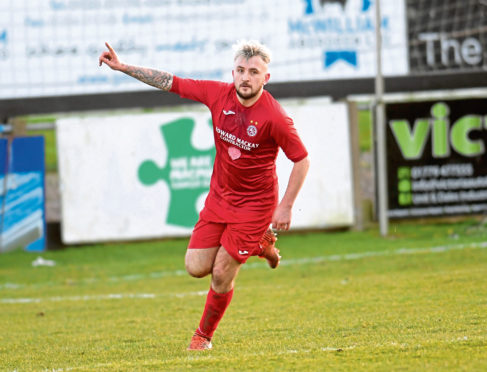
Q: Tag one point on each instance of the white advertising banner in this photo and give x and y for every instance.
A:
(51, 47)
(146, 176)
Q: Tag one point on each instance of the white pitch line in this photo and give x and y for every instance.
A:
(110, 296)
(284, 262)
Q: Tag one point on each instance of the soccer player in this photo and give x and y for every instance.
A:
(249, 126)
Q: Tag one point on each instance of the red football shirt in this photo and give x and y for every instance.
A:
(243, 185)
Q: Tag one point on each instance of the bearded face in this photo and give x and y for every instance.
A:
(249, 76)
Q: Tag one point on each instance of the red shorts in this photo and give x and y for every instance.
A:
(240, 240)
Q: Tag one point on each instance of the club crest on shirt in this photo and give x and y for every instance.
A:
(251, 130)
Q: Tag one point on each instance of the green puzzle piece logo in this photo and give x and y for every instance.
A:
(187, 172)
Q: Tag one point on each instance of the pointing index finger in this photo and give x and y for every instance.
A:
(109, 47)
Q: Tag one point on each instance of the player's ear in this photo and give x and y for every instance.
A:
(233, 74)
(267, 77)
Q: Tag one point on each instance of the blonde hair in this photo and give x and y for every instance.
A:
(251, 48)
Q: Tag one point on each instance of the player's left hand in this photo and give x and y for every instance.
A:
(281, 220)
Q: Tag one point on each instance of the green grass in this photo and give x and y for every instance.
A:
(49, 137)
(343, 301)
(365, 130)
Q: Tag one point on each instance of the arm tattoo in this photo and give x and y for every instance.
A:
(158, 79)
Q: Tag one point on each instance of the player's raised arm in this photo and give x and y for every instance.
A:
(156, 78)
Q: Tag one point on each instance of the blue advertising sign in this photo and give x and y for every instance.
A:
(22, 200)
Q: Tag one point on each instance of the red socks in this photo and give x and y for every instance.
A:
(216, 304)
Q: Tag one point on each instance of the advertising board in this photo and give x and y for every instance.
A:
(447, 36)
(22, 189)
(146, 176)
(51, 47)
(436, 157)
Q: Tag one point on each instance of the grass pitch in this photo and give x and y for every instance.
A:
(344, 301)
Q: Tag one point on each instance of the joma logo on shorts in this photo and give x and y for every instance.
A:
(243, 252)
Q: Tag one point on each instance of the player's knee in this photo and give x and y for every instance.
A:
(220, 280)
(195, 270)
(196, 273)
